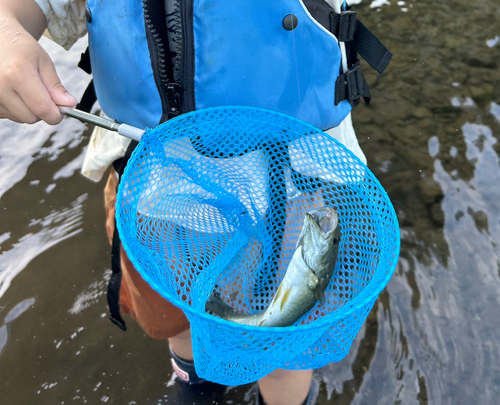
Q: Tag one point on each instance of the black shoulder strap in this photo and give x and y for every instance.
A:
(115, 283)
(370, 48)
(89, 97)
(116, 276)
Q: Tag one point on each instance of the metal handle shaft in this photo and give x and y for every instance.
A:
(106, 123)
(90, 118)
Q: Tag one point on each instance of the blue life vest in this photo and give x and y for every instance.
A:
(259, 53)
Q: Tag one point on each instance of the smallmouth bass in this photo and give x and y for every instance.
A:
(306, 279)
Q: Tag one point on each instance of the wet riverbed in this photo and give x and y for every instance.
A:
(430, 136)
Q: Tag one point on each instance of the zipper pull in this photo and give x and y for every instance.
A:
(174, 95)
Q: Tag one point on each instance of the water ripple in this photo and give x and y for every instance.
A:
(55, 227)
(91, 294)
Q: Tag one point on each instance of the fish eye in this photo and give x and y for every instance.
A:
(335, 241)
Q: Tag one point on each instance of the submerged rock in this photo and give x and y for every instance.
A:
(430, 191)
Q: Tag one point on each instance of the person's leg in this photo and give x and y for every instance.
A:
(181, 352)
(181, 344)
(286, 387)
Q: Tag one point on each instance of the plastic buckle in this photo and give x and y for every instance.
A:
(347, 25)
(354, 83)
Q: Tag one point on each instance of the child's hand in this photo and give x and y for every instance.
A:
(30, 89)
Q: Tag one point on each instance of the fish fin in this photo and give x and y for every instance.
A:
(313, 278)
(216, 305)
(278, 293)
(285, 298)
(313, 282)
(307, 259)
(320, 296)
(261, 323)
(300, 240)
(314, 286)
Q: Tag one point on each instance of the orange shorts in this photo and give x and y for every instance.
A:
(158, 317)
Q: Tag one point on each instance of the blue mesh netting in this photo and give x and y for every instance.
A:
(215, 199)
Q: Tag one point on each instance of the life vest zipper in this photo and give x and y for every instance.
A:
(169, 90)
(184, 66)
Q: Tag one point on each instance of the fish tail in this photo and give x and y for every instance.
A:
(216, 306)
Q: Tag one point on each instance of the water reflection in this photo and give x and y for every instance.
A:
(13, 314)
(91, 294)
(478, 197)
(441, 320)
(493, 42)
(495, 111)
(462, 102)
(433, 146)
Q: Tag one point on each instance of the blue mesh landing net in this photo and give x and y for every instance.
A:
(214, 200)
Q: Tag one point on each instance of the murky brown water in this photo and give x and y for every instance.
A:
(431, 136)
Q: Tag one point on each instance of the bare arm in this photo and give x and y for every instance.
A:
(27, 13)
(30, 89)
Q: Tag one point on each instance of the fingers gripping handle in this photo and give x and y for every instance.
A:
(106, 123)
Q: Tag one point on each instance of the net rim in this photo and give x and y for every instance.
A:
(361, 300)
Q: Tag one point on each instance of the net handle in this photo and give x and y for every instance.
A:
(125, 130)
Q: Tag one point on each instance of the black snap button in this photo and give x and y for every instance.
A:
(88, 15)
(290, 22)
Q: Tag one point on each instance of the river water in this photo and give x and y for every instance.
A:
(430, 136)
